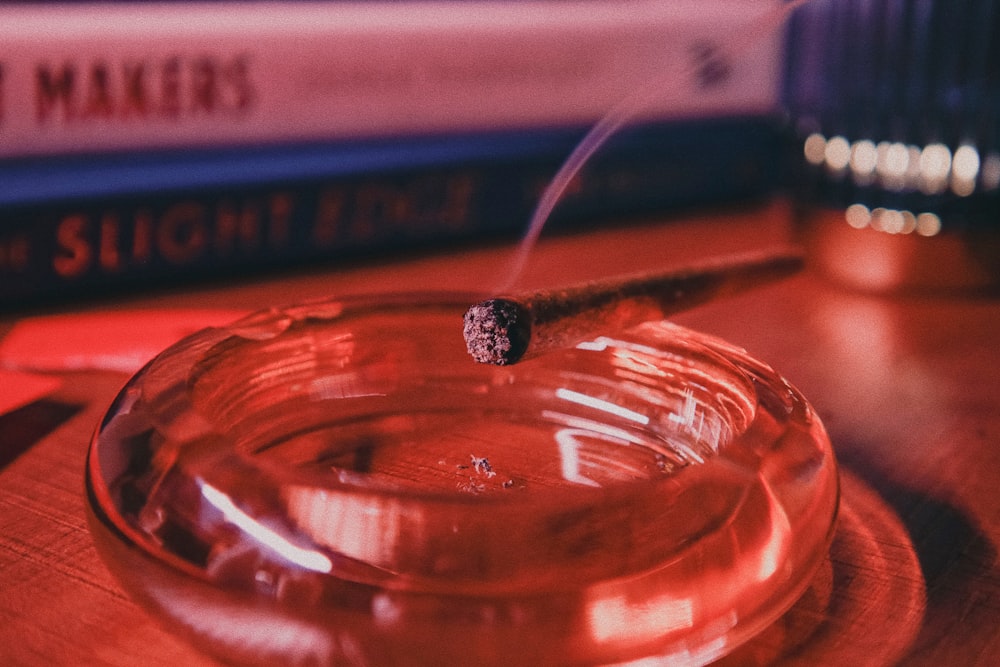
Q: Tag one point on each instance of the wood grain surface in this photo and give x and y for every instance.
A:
(908, 387)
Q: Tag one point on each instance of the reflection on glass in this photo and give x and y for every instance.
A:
(601, 404)
(899, 167)
(891, 221)
(267, 538)
(864, 160)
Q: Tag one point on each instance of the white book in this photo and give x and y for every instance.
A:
(112, 76)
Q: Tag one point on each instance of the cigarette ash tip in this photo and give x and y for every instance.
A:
(497, 331)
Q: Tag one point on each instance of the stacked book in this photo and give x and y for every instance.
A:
(147, 142)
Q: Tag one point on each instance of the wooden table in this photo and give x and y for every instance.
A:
(908, 387)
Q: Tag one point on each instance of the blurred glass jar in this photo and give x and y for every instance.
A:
(895, 111)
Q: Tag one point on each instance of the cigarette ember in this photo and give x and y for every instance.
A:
(505, 330)
(497, 331)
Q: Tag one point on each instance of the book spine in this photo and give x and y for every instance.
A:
(90, 245)
(124, 76)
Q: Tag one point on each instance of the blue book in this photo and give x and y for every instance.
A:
(84, 226)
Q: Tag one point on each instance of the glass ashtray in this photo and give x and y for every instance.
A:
(339, 483)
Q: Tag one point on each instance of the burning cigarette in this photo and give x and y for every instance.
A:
(505, 330)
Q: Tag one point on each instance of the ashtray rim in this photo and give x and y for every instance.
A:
(105, 510)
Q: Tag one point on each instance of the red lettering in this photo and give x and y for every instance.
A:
(280, 209)
(109, 257)
(232, 224)
(54, 93)
(237, 78)
(74, 252)
(170, 88)
(15, 254)
(203, 86)
(329, 214)
(99, 101)
(135, 89)
(182, 234)
(136, 100)
(142, 237)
